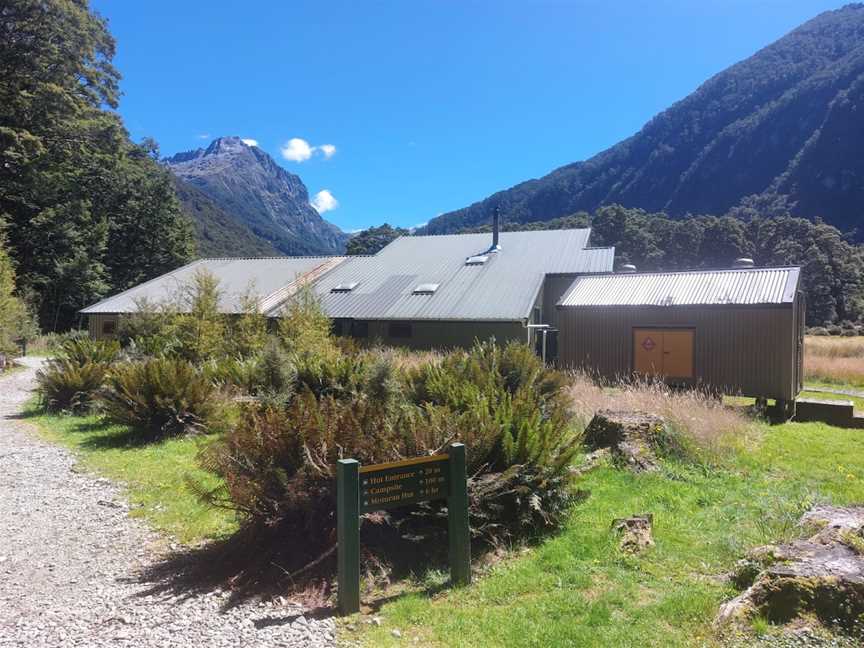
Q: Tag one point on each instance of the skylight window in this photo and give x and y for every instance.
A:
(426, 289)
(344, 287)
(478, 259)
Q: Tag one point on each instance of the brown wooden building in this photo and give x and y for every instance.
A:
(733, 331)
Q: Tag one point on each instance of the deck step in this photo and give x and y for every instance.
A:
(834, 412)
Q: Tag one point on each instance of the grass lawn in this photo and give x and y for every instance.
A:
(577, 589)
(154, 475)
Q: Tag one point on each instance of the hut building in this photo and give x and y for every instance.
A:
(269, 281)
(737, 331)
(423, 292)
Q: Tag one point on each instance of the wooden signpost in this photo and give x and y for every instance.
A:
(361, 489)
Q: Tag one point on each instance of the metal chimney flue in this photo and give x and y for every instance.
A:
(495, 226)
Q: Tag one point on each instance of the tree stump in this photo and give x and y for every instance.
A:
(632, 437)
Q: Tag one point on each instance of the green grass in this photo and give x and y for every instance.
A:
(577, 589)
(154, 475)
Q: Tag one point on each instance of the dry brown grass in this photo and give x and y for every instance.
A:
(705, 421)
(834, 347)
(834, 359)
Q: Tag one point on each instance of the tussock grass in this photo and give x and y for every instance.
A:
(837, 360)
(698, 418)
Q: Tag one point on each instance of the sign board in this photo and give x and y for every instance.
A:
(400, 483)
(385, 486)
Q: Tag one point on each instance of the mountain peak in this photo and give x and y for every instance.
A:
(244, 181)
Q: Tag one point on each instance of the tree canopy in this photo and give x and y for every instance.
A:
(371, 240)
(88, 211)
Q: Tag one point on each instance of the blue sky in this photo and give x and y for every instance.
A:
(429, 106)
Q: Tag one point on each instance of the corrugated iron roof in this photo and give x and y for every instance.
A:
(272, 279)
(503, 288)
(712, 287)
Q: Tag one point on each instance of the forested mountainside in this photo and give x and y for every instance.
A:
(246, 183)
(83, 211)
(784, 124)
(218, 233)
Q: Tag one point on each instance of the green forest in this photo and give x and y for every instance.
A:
(84, 211)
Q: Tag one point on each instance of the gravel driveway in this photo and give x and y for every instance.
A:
(70, 555)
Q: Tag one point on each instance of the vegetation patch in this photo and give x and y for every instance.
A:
(578, 589)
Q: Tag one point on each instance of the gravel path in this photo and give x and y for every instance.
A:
(70, 555)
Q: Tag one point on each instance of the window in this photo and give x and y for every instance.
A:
(336, 327)
(359, 329)
(399, 330)
(344, 287)
(426, 289)
(478, 259)
(109, 327)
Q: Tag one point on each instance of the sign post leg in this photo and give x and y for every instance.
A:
(457, 518)
(348, 534)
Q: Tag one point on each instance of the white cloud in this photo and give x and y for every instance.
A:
(248, 141)
(299, 150)
(324, 201)
(296, 150)
(203, 136)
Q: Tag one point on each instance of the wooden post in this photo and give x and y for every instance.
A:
(348, 534)
(459, 533)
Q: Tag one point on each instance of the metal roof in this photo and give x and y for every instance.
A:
(505, 287)
(273, 280)
(711, 287)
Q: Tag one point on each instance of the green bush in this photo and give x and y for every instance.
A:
(277, 465)
(70, 381)
(82, 351)
(160, 397)
(70, 386)
(511, 409)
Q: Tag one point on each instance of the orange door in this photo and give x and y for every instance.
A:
(663, 352)
(648, 351)
(678, 353)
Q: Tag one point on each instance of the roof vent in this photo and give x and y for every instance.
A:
(743, 262)
(344, 287)
(477, 259)
(627, 268)
(426, 289)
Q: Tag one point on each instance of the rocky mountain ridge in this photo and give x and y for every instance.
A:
(244, 182)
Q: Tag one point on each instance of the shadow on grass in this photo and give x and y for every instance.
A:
(262, 562)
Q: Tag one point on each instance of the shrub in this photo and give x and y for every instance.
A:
(277, 464)
(820, 331)
(159, 398)
(71, 381)
(67, 385)
(278, 467)
(200, 327)
(82, 351)
(510, 407)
